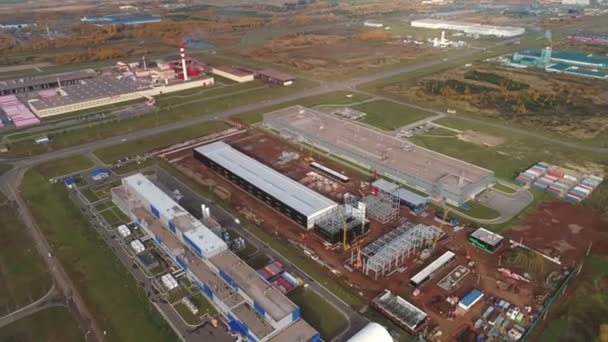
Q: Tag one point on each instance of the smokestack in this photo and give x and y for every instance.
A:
(442, 37)
(182, 54)
(204, 210)
(145, 64)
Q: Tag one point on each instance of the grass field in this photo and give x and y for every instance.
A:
(479, 211)
(504, 188)
(138, 147)
(333, 98)
(389, 116)
(133, 167)
(321, 315)
(23, 274)
(49, 325)
(110, 292)
(65, 166)
(580, 316)
(283, 247)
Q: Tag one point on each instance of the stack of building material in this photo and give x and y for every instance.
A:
(271, 271)
(583, 189)
(286, 283)
(532, 174)
(17, 112)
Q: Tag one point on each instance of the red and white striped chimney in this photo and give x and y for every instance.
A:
(182, 54)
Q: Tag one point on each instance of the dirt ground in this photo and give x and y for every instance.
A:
(569, 105)
(564, 229)
(480, 138)
(339, 53)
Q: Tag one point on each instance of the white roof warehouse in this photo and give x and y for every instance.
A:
(295, 200)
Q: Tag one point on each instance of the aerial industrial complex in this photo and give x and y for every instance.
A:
(253, 307)
(440, 176)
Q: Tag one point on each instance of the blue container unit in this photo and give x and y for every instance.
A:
(470, 299)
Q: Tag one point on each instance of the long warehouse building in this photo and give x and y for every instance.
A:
(469, 28)
(438, 175)
(252, 306)
(291, 198)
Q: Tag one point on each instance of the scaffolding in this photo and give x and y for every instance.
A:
(392, 249)
(330, 225)
(383, 204)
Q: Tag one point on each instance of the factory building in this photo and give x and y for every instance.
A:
(289, 197)
(24, 85)
(274, 77)
(252, 306)
(121, 19)
(103, 91)
(590, 38)
(233, 73)
(469, 28)
(442, 177)
(566, 62)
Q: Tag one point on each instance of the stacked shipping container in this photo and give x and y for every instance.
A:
(559, 182)
(272, 271)
(583, 188)
(286, 283)
(532, 174)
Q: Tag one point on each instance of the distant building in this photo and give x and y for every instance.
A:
(469, 28)
(237, 74)
(590, 38)
(371, 23)
(275, 77)
(576, 2)
(121, 19)
(567, 62)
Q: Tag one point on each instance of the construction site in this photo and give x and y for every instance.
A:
(430, 277)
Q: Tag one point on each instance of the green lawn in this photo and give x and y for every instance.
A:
(23, 274)
(282, 246)
(49, 325)
(138, 147)
(388, 115)
(585, 307)
(203, 305)
(133, 167)
(479, 211)
(111, 294)
(504, 188)
(65, 166)
(90, 195)
(321, 315)
(333, 98)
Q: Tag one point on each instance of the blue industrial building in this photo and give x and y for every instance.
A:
(251, 306)
(121, 19)
(567, 62)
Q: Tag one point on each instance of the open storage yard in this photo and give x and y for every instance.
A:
(568, 105)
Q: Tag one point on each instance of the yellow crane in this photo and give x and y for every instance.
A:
(446, 212)
(345, 245)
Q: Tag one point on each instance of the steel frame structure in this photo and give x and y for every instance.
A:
(384, 206)
(392, 249)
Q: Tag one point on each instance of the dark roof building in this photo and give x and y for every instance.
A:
(275, 77)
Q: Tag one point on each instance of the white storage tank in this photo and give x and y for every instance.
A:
(137, 246)
(373, 332)
(123, 231)
(169, 282)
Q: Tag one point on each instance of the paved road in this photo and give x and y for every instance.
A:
(192, 202)
(51, 298)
